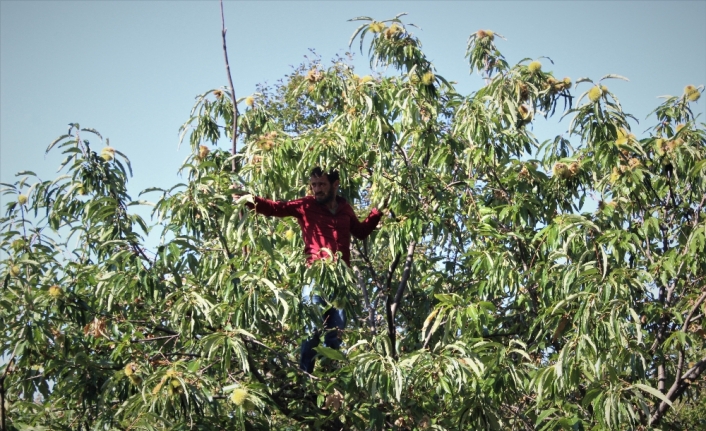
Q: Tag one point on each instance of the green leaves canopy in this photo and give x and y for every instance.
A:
(517, 284)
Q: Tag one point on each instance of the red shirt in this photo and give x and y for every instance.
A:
(321, 228)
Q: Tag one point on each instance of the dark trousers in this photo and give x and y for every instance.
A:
(334, 320)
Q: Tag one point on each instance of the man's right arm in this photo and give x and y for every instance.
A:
(270, 208)
(273, 208)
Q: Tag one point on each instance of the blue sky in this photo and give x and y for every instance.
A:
(132, 69)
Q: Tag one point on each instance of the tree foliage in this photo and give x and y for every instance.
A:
(519, 283)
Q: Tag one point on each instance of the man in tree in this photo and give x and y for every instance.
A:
(327, 222)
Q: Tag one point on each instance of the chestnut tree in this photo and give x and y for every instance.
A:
(519, 282)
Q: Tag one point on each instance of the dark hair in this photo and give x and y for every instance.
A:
(332, 175)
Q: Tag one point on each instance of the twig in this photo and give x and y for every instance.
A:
(405, 276)
(2, 388)
(393, 303)
(232, 89)
(693, 310)
(147, 340)
(369, 264)
(371, 311)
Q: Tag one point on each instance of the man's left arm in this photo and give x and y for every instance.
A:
(361, 230)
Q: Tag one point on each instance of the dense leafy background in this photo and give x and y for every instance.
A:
(519, 282)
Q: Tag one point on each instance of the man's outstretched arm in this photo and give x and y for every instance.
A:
(273, 208)
(361, 230)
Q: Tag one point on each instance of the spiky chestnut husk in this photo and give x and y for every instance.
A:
(22, 199)
(623, 136)
(524, 172)
(334, 401)
(366, 78)
(266, 142)
(595, 93)
(108, 153)
(480, 34)
(400, 422)
(615, 175)
(130, 369)
(574, 168)
(392, 31)
(376, 27)
(218, 94)
(55, 292)
(524, 112)
(250, 101)
(314, 75)
(428, 78)
(289, 235)
(567, 82)
(17, 245)
(490, 34)
(633, 163)
(239, 396)
(659, 146)
(203, 152)
(534, 66)
(691, 93)
(673, 145)
(14, 270)
(560, 169)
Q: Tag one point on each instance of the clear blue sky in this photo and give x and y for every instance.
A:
(132, 69)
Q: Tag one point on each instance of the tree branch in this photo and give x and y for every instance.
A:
(232, 89)
(693, 310)
(364, 255)
(392, 305)
(371, 311)
(405, 276)
(677, 389)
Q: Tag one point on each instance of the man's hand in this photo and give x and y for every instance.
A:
(383, 203)
(237, 192)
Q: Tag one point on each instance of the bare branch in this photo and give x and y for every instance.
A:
(405, 276)
(391, 304)
(364, 289)
(677, 389)
(693, 310)
(232, 89)
(148, 340)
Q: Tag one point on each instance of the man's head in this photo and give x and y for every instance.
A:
(323, 185)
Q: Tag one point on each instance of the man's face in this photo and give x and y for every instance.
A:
(323, 190)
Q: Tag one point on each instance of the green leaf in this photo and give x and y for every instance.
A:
(330, 353)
